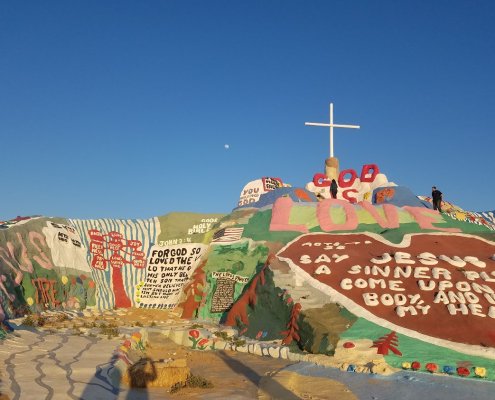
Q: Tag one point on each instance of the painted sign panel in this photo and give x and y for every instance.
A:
(253, 190)
(169, 268)
(223, 296)
(66, 246)
(437, 287)
(271, 184)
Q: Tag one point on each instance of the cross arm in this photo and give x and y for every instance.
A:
(333, 125)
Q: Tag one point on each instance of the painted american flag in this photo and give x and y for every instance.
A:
(227, 235)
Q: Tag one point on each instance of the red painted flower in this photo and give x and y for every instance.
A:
(289, 300)
(83, 277)
(259, 334)
(432, 367)
(215, 340)
(194, 333)
(415, 365)
(72, 280)
(463, 371)
(243, 331)
(137, 334)
(349, 345)
(127, 344)
(202, 342)
(91, 284)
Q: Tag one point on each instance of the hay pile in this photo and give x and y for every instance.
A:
(147, 373)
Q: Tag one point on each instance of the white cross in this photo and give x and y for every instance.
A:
(332, 125)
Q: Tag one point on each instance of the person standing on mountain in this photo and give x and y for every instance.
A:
(333, 189)
(437, 197)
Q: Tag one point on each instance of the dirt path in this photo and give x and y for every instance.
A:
(232, 373)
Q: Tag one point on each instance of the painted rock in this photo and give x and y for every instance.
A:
(437, 287)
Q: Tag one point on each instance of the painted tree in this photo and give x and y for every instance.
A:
(386, 343)
(292, 325)
(193, 291)
(115, 244)
(249, 297)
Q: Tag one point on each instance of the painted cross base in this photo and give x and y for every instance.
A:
(332, 168)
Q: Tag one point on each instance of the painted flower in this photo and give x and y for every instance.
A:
(91, 284)
(64, 304)
(70, 303)
(415, 365)
(480, 371)
(432, 367)
(79, 280)
(463, 371)
(77, 305)
(83, 277)
(259, 334)
(194, 333)
(64, 280)
(289, 300)
(243, 331)
(202, 342)
(215, 340)
(264, 334)
(349, 345)
(448, 369)
(30, 301)
(127, 344)
(406, 365)
(72, 280)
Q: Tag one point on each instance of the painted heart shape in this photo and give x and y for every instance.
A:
(437, 287)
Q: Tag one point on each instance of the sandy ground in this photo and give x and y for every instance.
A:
(235, 376)
(232, 373)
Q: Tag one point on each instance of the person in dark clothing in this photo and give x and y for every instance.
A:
(437, 197)
(334, 188)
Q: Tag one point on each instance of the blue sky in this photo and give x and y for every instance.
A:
(122, 109)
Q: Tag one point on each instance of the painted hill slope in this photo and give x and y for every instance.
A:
(373, 276)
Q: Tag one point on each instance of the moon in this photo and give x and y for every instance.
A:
(226, 146)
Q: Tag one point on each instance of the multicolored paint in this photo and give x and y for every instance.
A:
(393, 275)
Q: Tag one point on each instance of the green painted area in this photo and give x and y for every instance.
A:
(238, 259)
(323, 328)
(42, 288)
(271, 313)
(258, 229)
(304, 216)
(184, 225)
(69, 290)
(259, 224)
(417, 350)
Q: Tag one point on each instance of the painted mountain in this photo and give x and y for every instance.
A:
(374, 274)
